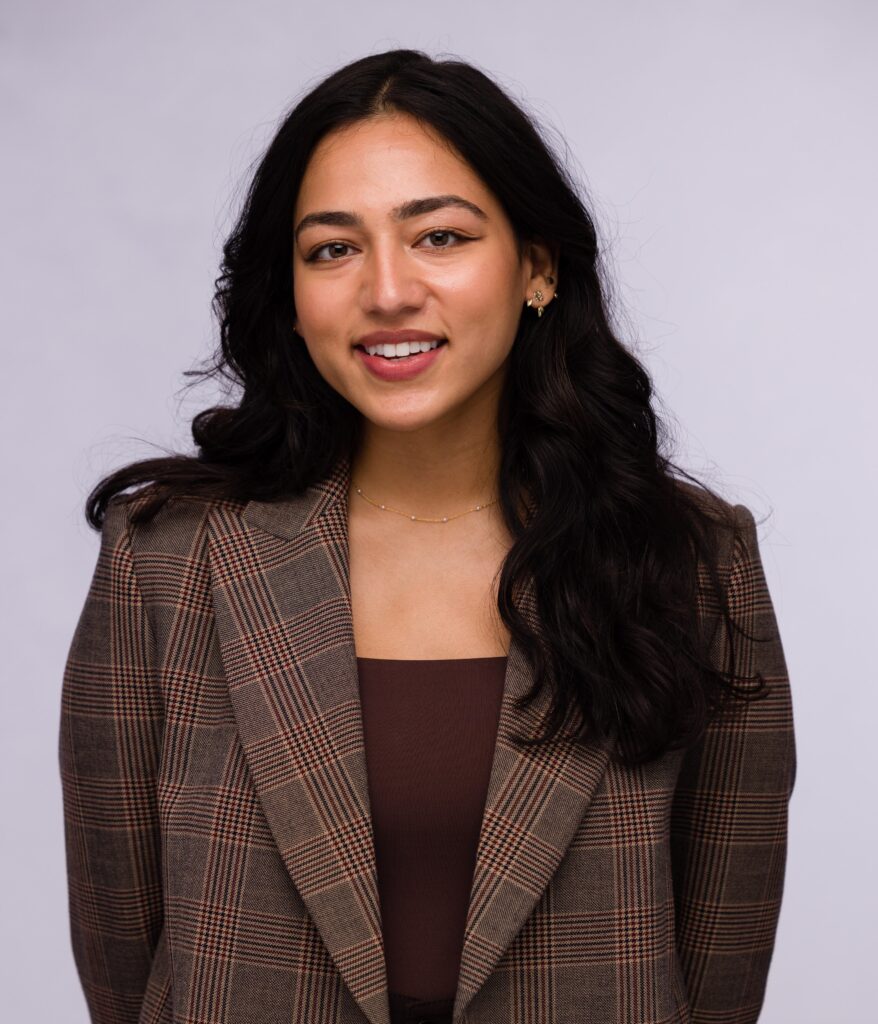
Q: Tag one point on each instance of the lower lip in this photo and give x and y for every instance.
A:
(402, 368)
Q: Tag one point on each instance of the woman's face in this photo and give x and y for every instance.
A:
(381, 245)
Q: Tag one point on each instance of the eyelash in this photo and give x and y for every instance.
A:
(312, 257)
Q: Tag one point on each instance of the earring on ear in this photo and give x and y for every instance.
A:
(537, 297)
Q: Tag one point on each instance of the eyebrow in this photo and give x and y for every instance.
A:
(412, 208)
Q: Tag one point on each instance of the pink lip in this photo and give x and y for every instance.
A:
(403, 368)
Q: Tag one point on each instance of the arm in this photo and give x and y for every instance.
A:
(109, 748)
(729, 820)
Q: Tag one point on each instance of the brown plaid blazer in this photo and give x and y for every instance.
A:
(218, 837)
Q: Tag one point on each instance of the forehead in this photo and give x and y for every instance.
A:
(383, 161)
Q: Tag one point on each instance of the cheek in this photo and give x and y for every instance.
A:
(321, 301)
(308, 308)
(485, 307)
(318, 324)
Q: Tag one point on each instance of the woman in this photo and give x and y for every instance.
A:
(424, 690)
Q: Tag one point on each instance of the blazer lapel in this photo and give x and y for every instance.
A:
(535, 802)
(281, 594)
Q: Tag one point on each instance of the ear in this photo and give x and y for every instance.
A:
(540, 269)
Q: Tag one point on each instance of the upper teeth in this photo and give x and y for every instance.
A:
(404, 348)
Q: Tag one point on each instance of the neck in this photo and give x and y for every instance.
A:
(425, 473)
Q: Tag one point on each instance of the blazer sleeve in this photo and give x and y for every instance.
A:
(729, 817)
(109, 750)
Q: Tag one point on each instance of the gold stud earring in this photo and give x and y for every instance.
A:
(537, 297)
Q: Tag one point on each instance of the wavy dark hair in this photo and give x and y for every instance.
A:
(614, 537)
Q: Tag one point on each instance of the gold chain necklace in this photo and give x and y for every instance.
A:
(424, 519)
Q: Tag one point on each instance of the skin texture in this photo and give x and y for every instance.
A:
(430, 445)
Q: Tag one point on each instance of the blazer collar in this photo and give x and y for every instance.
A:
(288, 517)
(281, 595)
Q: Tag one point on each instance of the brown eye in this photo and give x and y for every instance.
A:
(443, 239)
(333, 247)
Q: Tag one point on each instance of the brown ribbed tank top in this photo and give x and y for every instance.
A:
(429, 728)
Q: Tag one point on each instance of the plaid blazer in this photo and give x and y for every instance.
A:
(218, 838)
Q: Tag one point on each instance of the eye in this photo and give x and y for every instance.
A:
(443, 235)
(333, 247)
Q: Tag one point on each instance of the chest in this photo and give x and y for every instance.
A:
(425, 591)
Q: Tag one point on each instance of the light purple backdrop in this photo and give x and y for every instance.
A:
(730, 151)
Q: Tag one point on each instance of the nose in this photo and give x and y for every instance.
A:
(392, 282)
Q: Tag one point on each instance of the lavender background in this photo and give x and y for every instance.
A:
(730, 154)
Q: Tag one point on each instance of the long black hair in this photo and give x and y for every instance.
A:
(618, 546)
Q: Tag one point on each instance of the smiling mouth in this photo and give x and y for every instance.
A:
(388, 351)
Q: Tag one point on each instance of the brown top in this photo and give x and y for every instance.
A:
(429, 729)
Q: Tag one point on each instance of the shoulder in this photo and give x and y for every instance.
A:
(165, 556)
(167, 550)
(174, 528)
(709, 502)
(728, 528)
